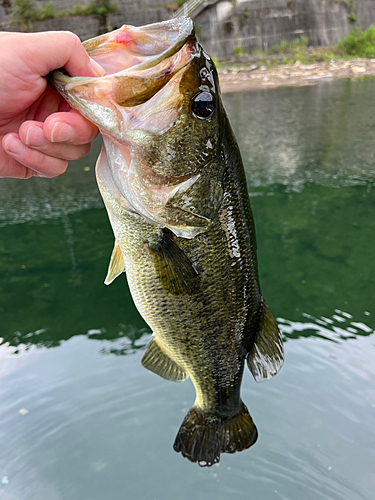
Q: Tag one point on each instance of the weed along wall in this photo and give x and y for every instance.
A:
(229, 27)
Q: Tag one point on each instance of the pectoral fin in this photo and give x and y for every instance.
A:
(266, 357)
(157, 361)
(116, 264)
(173, 268)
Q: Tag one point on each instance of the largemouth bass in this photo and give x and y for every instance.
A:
(172, 180)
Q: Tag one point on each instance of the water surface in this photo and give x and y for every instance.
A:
(80, 419)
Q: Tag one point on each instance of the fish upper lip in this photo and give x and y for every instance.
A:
(186, 30)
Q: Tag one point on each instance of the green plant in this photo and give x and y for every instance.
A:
(284, 46)
(239, 51)
(352, 17)
(358, 43)
(23, 12)
(48, 11)
(217, 63)
(101, 7)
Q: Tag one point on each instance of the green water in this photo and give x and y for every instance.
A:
(80, 419)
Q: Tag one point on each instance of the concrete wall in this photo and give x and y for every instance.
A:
(263, 23)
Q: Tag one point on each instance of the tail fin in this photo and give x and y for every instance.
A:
(203, 437)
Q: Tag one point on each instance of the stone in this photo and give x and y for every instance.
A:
(358, 69)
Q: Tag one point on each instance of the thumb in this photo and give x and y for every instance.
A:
(44, 52)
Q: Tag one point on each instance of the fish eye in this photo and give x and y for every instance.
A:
(203, 105)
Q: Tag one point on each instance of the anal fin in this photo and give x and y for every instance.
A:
(266, 357)
(157, 361)
(116, 264)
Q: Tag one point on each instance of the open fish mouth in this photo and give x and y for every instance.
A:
(139, 97)
(138, 62)
(143, 46)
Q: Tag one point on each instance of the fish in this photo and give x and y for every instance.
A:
(173, 183)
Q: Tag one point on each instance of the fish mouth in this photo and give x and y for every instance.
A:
(139, 96)
(138, 61)
(143, 47)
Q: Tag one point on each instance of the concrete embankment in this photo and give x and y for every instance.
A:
(227, 26)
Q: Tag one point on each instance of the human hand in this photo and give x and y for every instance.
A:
(39, 132)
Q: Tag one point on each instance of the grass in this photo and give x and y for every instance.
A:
(288, 52)
(23, 12)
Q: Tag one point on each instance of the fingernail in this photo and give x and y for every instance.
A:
(97, 69)
(62, 132)
(35, 136)
(14, 146)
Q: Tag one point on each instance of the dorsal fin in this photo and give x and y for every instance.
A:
(266, 356)
(116, 264)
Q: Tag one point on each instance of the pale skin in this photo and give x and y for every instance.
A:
(39, 133)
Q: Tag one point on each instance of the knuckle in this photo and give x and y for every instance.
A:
(44, 167)
(85, 150)
(78, 152)
(57, 169)
(72, 38)
(63, 167)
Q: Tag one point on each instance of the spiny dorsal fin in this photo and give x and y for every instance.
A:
(157, 361)
(266, 357)
(116, 264)
(173, 268)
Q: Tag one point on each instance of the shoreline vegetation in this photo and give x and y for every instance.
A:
(357, 44)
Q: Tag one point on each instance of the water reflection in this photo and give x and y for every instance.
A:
(323, 134)
(43, 199)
